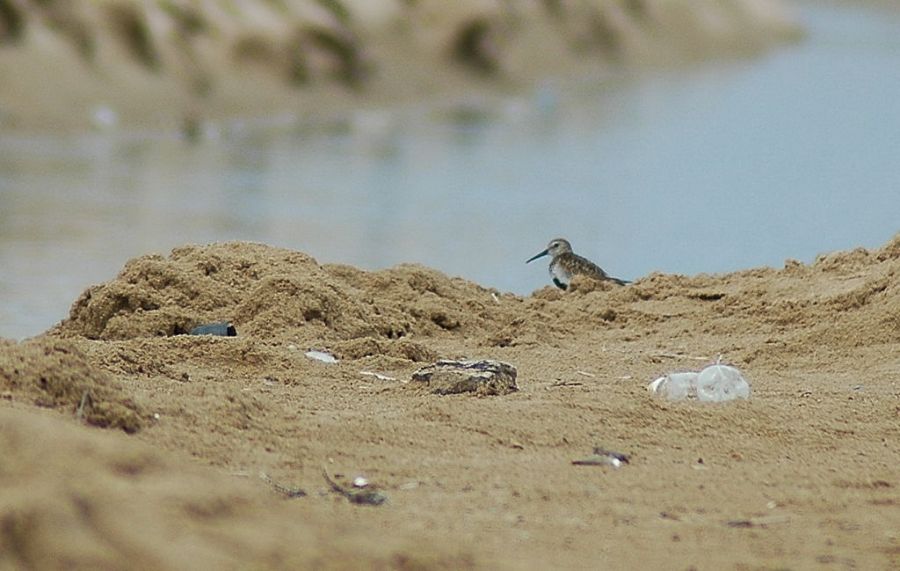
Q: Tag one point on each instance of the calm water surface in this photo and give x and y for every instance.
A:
(709, 169)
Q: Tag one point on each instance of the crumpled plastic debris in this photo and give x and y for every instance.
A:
(715, 383)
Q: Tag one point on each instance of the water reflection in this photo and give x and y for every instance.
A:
(708, 169)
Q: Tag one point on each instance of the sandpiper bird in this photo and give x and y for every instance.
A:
(564, 264)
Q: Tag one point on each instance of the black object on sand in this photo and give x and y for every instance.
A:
(222, 329)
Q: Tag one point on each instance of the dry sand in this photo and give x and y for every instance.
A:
(805, 474)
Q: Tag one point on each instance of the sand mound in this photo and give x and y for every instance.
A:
(274, 294)
(843, 300)
(76, 499)
(56, 374)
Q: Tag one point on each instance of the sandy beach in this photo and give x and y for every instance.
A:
(127, 444)
(176, 65)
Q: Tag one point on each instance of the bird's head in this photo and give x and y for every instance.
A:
(556, 247)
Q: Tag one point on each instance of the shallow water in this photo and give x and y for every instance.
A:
(707, 169)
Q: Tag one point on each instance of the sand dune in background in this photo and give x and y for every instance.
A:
(78, 64)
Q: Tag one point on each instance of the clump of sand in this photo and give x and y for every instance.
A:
(55, 373)
(274, 294)
(77, 499)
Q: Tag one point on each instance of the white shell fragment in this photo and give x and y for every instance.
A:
(378, 376)
(360, 482)
(322, 356)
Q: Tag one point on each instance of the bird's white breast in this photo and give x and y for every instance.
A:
(559, 273)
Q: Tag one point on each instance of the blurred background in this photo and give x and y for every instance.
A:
(656, 135)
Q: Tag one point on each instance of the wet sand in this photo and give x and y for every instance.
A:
(128, 445)
(80, 64)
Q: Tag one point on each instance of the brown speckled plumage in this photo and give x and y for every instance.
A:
(564, 264)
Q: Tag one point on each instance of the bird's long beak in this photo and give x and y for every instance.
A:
(536, 256)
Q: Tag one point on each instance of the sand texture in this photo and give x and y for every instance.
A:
(71, 65)
(213, 449)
